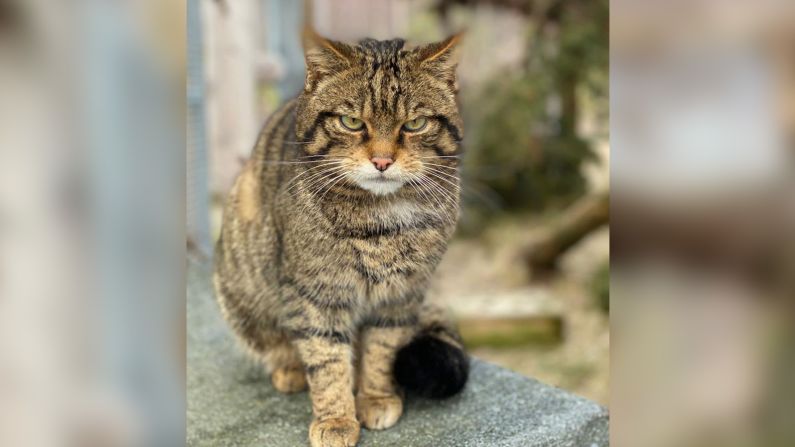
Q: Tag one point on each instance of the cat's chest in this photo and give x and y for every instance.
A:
(383, 219)
(402, 243)
(398, 242)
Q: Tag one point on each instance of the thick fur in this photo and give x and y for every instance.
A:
(434, 363)
(323, 262)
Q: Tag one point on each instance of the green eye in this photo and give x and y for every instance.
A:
(351, 123)
(415, 125)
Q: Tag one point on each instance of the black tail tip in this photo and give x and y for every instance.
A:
(431, 367)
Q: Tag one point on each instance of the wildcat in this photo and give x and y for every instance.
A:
(333, 229)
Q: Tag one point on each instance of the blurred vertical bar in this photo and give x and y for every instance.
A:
(134, 139)
(284, 21)
(92, 325)
(197, 211)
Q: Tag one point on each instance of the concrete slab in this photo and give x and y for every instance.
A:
(232, 403)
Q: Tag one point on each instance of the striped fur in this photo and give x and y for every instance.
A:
(319, 269)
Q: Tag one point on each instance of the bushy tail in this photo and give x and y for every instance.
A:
(434, 364)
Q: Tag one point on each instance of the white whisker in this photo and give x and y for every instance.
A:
(292, 182)
(415, 180)
(445, 174)
(434, 190)
(439, 188)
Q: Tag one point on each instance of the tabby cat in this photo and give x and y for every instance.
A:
(334, 228)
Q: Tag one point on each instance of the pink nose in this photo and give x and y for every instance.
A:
(381, 163)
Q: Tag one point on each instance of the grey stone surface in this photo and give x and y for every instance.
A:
(231, 401)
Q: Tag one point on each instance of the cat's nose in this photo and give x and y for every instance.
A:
(381, 163)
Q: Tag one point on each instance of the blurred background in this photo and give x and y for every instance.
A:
(92, 144)
(702, 211)
(527, 274)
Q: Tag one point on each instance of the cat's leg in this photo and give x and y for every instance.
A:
(284, 364)
(279, 357)
(261, 338)
(327, 356)
(379, 403)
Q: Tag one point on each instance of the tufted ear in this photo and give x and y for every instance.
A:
(323, 56)
(441, 58)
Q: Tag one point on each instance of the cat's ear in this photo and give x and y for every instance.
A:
(442, 57)
(323, 56)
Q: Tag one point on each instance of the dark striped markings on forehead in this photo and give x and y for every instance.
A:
(325, 57)
(383, 59)
(381, 48)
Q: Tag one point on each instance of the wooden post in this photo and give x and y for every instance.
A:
(579, 220)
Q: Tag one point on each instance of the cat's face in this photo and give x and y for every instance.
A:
(380, 116)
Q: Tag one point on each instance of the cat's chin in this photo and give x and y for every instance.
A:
(380, 186)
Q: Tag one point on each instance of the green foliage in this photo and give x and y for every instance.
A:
(584, 42)
(539, 331)
(600, 287)
(516, 156)
(524, 148)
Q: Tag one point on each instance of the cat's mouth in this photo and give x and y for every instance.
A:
(380, 183)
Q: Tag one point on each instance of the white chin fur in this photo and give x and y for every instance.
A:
(380, 187)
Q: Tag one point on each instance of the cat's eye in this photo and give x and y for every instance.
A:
(415, 125)
(351, 123)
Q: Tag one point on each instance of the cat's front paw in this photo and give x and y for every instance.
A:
(289, 380)
(336, 432)
(378, 413)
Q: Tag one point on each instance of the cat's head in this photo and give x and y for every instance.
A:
(383, 116)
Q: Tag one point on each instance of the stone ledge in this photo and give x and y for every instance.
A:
(231, 401)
